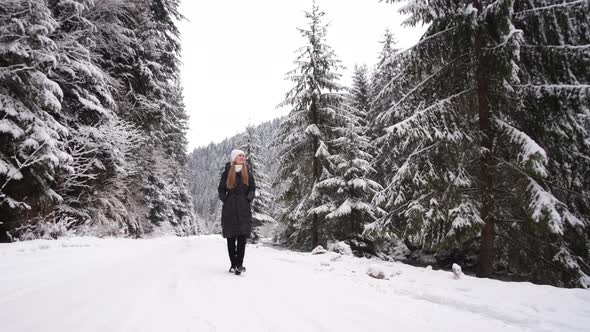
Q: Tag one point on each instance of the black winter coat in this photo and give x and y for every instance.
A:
(236, 214)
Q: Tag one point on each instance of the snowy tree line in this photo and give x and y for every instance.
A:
(92, 122)
(206, 164)
(473, 144)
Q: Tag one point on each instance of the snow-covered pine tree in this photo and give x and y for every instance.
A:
(555, 93)
(466, 163)
(88, 184)
(116, 47)
(156, 101)
(175, 145)
(76, 74)
(350, 190)
(157, 66)
(381, 89)
(263, 200)
(31, 151)
(360, 95)
(427, 149)
(306, 133)
(87, 98)
(382, 92)
(139, 46)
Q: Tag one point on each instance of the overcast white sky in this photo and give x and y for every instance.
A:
(236, 53)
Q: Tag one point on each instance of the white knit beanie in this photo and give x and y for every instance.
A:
(235, 153)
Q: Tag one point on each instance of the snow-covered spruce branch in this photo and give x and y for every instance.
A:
(14, 69)
(580, 260)
(518, 244)
(427, 39)
(395, 179)
(554, 86)
(12, 3)
(386, 87)
(542, 201)
(80, 167)
(525, 234)
(556, 6)
(565, 46)
(509, 221)
(375, 227)
(537, 178)
(28, 162)
(583, 156)
(491, 8)
(421, 198)
(531, 150)
(387, 114)
(536, 252)
(419, 114)
(514, 33)
(385, 220)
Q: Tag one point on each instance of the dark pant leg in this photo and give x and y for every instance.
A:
(241, 250)
(231, 250)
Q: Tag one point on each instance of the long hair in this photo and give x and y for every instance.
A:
(231, 176)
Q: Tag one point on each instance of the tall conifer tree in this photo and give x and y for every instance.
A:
(467, 162)
(306, 132)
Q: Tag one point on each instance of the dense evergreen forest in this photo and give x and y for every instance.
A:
(92, 121)
(471, 146)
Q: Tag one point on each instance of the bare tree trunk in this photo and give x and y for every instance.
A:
(485, 267)
(316, 176)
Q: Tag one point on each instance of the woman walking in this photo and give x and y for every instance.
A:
(236, 190)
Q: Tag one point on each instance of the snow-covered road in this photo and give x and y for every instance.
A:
(181, 284)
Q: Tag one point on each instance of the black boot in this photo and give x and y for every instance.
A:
(231, 250)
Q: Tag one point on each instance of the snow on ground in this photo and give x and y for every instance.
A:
(182, 284)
